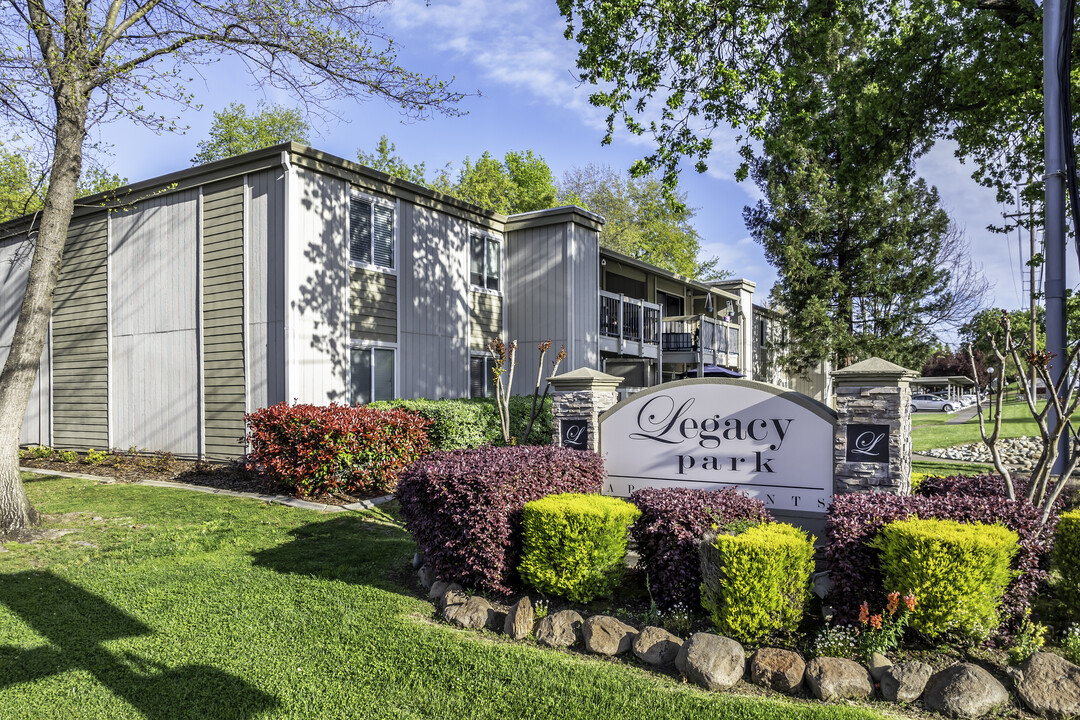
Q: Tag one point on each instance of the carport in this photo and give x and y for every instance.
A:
(953, 386)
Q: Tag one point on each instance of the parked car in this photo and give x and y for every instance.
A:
(932, 402)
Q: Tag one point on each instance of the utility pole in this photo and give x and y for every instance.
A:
(1054, 207)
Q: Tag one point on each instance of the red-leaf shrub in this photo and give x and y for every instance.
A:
(853, 520)
(463, 507)
(672, 522)
(311, 450)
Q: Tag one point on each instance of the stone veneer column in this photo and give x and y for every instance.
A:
(578, 399)
(873, 397)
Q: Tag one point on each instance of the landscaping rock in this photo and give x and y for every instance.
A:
(559, 629)
(519, 621)
(606, 635)
(780, 670)
(453, 593)
(833, 678)
(437, 589)
(878, 665)
(656, 646)
(905, 682)
(964, 691)
(427, 577)
(418, 560)
(475, 613)
(1049, 685)
(711, 661)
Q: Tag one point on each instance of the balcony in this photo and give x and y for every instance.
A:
(694, 339)
(629, 326)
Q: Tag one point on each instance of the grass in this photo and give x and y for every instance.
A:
(929, 430)
(945, 469)
(171, 604)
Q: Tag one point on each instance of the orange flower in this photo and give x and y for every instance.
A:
(875, 621)
(864, 612)
(894, 602)
(909, 601)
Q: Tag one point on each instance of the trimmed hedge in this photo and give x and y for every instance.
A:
(463, 507)
(672, 523)
(956, 571)
(310, 449)
(575, 545)
(1067, 560)
(471, 423)
(756, 583)
(854, 519)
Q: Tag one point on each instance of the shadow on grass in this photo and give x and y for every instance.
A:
(77, 624)
(360, 549)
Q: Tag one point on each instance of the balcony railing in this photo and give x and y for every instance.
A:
(693, 333)
(629, 318)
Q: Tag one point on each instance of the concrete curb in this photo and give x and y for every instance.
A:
(280, 499)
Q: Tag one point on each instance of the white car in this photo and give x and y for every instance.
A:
(932, 402)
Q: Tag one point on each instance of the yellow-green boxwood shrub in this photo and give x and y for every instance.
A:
(1067, 560)
(957, 572)
(756, 583)
(575, 544)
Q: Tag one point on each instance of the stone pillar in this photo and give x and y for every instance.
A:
(872, 448)
(578, 399)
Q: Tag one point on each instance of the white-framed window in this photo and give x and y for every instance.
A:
(371, 232)
(485, 262)
(480, 376)
(372, 374)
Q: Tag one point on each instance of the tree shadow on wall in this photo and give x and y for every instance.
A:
(78, 624)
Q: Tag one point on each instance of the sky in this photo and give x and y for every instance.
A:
(512, 55)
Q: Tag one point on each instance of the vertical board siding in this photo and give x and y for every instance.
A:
(433, 360)
(15, 255)
(265, 288)
(372, 305)
(223, 318)
(80, 339)
(155, 353)
(485, 319)
(318, 268)
(586, 297)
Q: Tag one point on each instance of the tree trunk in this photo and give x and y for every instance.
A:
(20, 370)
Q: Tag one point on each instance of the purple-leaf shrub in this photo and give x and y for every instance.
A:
(667, 533)
(853, 520)
(463, 507)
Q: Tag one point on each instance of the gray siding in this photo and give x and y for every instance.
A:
(223, 317)
(372, 305)
(485, 319)
(15, 257)
(155, 354)
(433, 361)
(80, 339)
(266, 288)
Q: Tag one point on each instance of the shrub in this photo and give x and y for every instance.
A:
(68, 456)
(854, 519)
(1067, 560)
(1070, 644)
(95, 457)
(311, 450)
(958, 572)
(460, 424)
(672, 523)
(463, 507)
(38, 452)
(575, 545)
(756, 583)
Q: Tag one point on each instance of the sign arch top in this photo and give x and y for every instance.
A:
(710, 433)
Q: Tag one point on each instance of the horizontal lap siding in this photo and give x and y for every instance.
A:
(223, 318)
(485, 319)
(372, 306)
(80, 339)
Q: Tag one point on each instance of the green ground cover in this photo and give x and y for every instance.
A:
(171, 604)
(945, 469)
(930, 431)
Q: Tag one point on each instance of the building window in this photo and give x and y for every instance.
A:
(484, 262)
(479, 376)
(371, 375)
(371, 232)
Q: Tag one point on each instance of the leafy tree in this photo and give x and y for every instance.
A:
(522, 182)
(234, 132)
(65, 67)
(22, 185)
(385, 159)
(952, 364)
(638, 221)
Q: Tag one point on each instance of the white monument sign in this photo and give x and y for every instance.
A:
(773, 444)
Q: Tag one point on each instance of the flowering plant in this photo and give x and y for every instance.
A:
(881, 632)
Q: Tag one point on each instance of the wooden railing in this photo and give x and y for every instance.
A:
(628, 318)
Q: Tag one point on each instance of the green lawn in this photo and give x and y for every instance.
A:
(930, 431)
(167, 604)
